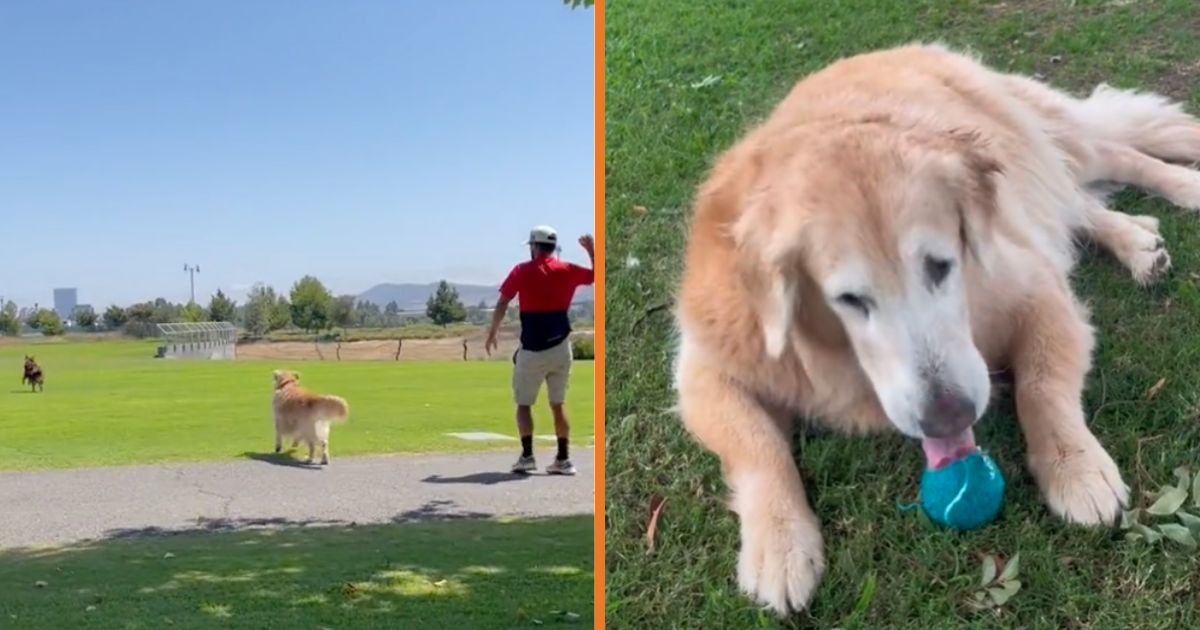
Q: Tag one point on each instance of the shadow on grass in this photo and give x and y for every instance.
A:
(220, 525)
(280, 459)
(473, 573)
(483, 478)
(437, 510)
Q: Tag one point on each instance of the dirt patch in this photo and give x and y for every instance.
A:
(447, 349)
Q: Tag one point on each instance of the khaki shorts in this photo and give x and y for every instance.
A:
(552, 365)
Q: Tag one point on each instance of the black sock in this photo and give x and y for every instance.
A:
(527, 446)
(562, 449)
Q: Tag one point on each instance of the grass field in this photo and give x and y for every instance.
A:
(456, 574)
(111, 403)
(684, 80)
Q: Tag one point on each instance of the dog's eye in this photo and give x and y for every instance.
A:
(860, 303)
(936, 269)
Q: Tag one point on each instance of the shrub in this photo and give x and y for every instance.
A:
(584, 348)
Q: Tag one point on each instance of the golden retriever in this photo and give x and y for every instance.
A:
(903, 222)
(304, 416)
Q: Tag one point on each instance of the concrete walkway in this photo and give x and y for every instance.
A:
(67, 506)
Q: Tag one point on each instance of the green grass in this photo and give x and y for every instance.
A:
(111, 403)
(455, 574)
(662, 134)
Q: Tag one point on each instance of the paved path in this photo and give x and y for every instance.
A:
(60, 507)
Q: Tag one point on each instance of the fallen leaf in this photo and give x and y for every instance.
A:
(1190, 521)
(1178, 533)
(40, 584)
(642, 210)
(440, 583)
(1150, 535)
(1010, 568)
(90, 608)
(168, 555)
(1129, 517)
(570, 616)
(1001, 594)
(711, 79)
(1196, 492)
(656, 506)
(989, 570)
(1171, 500)
(1155, 388)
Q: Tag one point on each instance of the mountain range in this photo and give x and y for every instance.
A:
(412, 296)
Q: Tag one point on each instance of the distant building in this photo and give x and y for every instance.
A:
(65, 301)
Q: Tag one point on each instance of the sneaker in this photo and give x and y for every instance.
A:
(561, 467)
(525, 465)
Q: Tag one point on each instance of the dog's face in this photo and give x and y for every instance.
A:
(867, 247)
(283, 377)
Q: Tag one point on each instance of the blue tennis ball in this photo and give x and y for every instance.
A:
(964, 495)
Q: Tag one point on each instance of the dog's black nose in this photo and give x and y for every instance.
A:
(947, 414)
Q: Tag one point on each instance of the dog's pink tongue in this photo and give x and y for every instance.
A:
(940, 452)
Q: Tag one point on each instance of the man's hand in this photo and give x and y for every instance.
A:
(491, 343)
(588, 244)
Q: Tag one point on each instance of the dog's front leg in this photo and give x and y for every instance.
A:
(781, 559)
(1051, 357)
(278, 437)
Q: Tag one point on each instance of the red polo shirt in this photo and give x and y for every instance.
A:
(545, 287)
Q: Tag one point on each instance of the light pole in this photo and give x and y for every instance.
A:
(192, 270)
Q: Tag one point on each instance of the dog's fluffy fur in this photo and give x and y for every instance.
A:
(304, 416)
(903, 222)
(33, 375)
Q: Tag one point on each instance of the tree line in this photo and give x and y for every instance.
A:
(309, 306)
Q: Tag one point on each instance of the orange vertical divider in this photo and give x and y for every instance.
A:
(598, 529)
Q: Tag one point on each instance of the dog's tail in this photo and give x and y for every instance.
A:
(334, 408)
(1150, 123)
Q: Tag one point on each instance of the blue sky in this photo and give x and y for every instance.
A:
(361, 142)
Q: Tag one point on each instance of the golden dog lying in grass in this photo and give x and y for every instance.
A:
(902, 223)
(303, 415)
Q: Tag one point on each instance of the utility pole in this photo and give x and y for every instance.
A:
(192, 270)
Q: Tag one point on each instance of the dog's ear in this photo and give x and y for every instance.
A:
(768, 256)
(979, 205)
(967, 167)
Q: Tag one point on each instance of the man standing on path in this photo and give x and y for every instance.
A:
(545, 286)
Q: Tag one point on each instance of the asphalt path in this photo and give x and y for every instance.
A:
(59, 507)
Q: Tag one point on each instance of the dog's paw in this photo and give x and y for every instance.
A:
(1082, 484)
(782, 560)
(1147, 257)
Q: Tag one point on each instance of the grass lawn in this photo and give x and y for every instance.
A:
(454, 574)
(684, 80)
(112, 403)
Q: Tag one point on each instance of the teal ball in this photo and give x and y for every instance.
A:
(964, 495)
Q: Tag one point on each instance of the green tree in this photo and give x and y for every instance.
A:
(281, 314)
(444, 306)
(221, 308)
(368, 314)
(114, 317)
(341, 311)
(259, 314)
(164, 311)
(47, 322)
(193, 312)
(312, 305)
(10, 322)
(575, 4)
(391, 314)
(84, 317)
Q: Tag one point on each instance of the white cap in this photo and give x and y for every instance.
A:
(543, 234)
